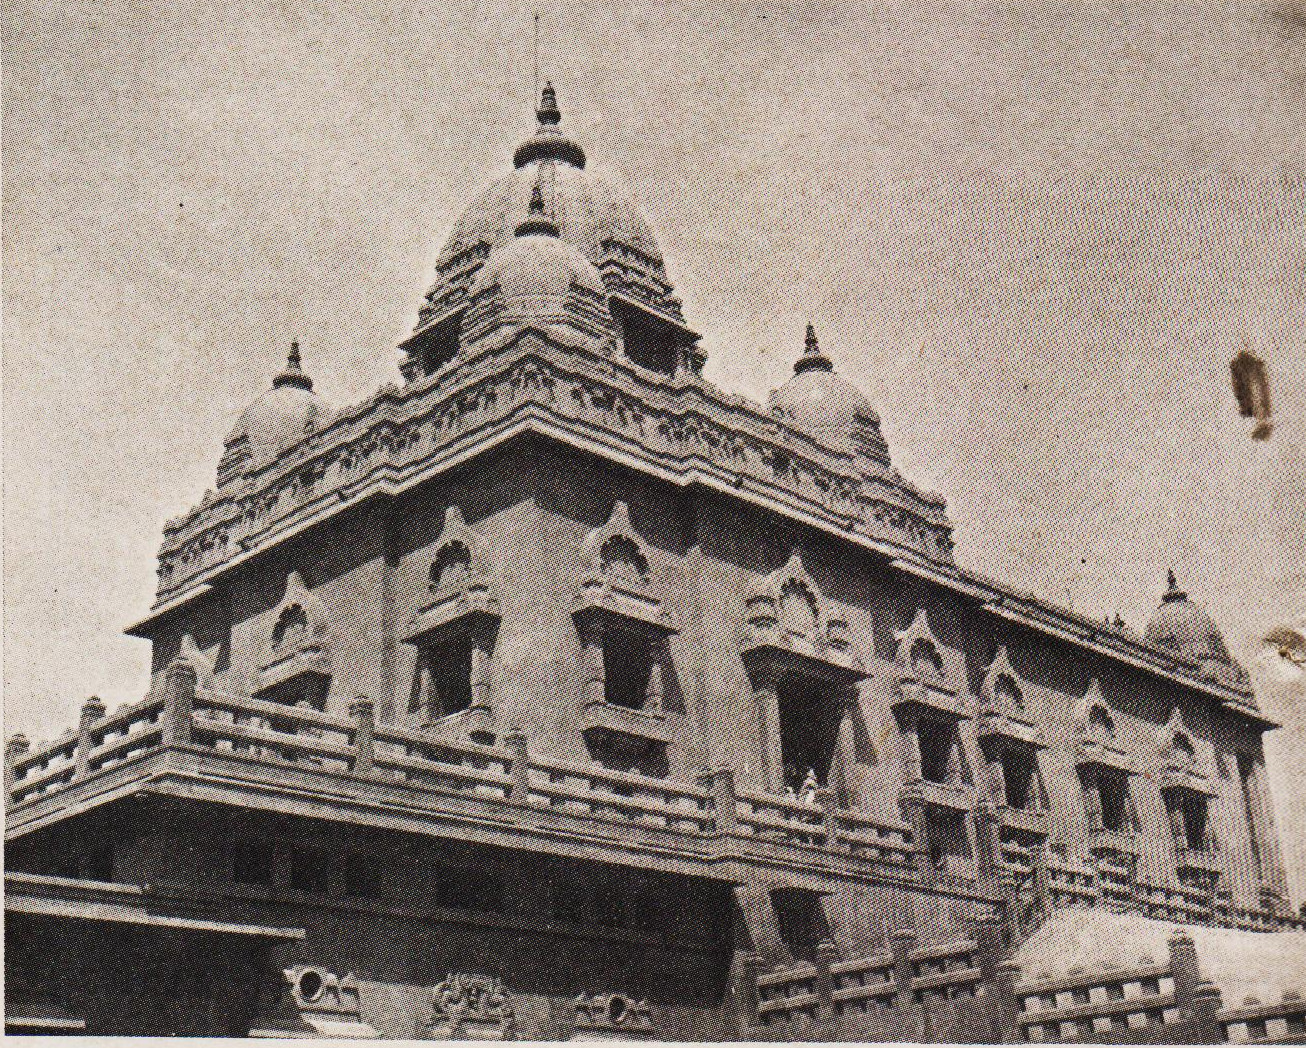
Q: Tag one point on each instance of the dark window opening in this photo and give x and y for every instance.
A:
(648, 343)
(810, 718)
(446, 685)
(1020, 778)
(1192, 809)
(465, 888)
(801, 921)
(627, 667)
(304, 690)
(451, 567)
(291, 628)
(308, 870)
(946, 838)
(926, 662)
(361, 876)
(940, 748)
(98, 863)
(1114, 793)
(1100, 725)
(252, 863)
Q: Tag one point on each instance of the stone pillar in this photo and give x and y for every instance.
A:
(998, 978)
(15, 750)
(988, 842)
(901, 943)
(178, 702)
(653, 693)
(827, 954)
(481, 669)
(913, 810)
(363, 715)
(828, 803)
(1185, 971)
(767, 699)
(1093, 802)
(592, 682)
(721, 783)
(520, 790)
(1038, 853)
(746, 997)
(911, 747)
(92, 711)
(754, 901)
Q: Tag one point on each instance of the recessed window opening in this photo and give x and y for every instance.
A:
(1114, 793)
(308, 870)
(1007, 690)
(1247, 780)
(627, 667)
(940, 751)
(362, 880)
(798, 609)
(946, 838)
(1020, 778)
(1182, 748)
(621, 561)
(446, 687)
(466, 888)
(810, 718)
(801, 921)
(252, 863)
(1193, 809)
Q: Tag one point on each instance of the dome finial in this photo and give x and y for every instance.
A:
(1172, 590)
(536, 221)
(812, 359)
(548, 113)
(294, 374)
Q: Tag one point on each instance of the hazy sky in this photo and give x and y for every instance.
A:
(1035, 234)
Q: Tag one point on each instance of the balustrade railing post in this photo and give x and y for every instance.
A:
(1039, 870)
(828, 803)
(92, 711)
(1185, 971)
(901, 943)
(998, 979)
(15, 750)
(1207, 1003)
(721, 781)
(363, 714)
(178, 702)
(747, 997)
(988, 840)
(520, 790)
(827, 954)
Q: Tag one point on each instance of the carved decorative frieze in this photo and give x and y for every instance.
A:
(472, 1007)
(683, 424)
(313, 1003)
(612, 1017)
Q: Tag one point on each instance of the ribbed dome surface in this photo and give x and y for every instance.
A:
(1185, 627)
(536, 266)
(282, 414)
(822, 402)
(587, 211)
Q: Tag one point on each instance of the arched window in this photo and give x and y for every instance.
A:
(1006, 689)
(798, 612)
(451, 566)
(291, 627)
(926, 662)
(1100, 725)
(621, 560)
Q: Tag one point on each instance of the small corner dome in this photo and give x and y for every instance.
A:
(820, 401)
(281, 414)
(1186, 628)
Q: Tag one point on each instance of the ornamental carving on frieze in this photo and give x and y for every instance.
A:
(669, 421)
(475, 1004)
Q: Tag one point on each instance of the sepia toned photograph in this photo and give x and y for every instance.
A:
(649, 521)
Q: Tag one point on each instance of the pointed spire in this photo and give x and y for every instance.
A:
(549, 142)
(549, 113)
(537, 221)
(1172, 590)
(294, 374)
(812, 359)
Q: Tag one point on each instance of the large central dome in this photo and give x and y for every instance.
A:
(598, 220)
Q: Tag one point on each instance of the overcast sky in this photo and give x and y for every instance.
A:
(1035, 234)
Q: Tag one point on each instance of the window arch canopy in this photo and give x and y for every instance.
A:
(296, 644)
(460, 580)
(1004, 703)
(926, 677)
(618, 577)
(787, 616)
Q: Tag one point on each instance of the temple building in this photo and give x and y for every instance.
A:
(557, 693)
